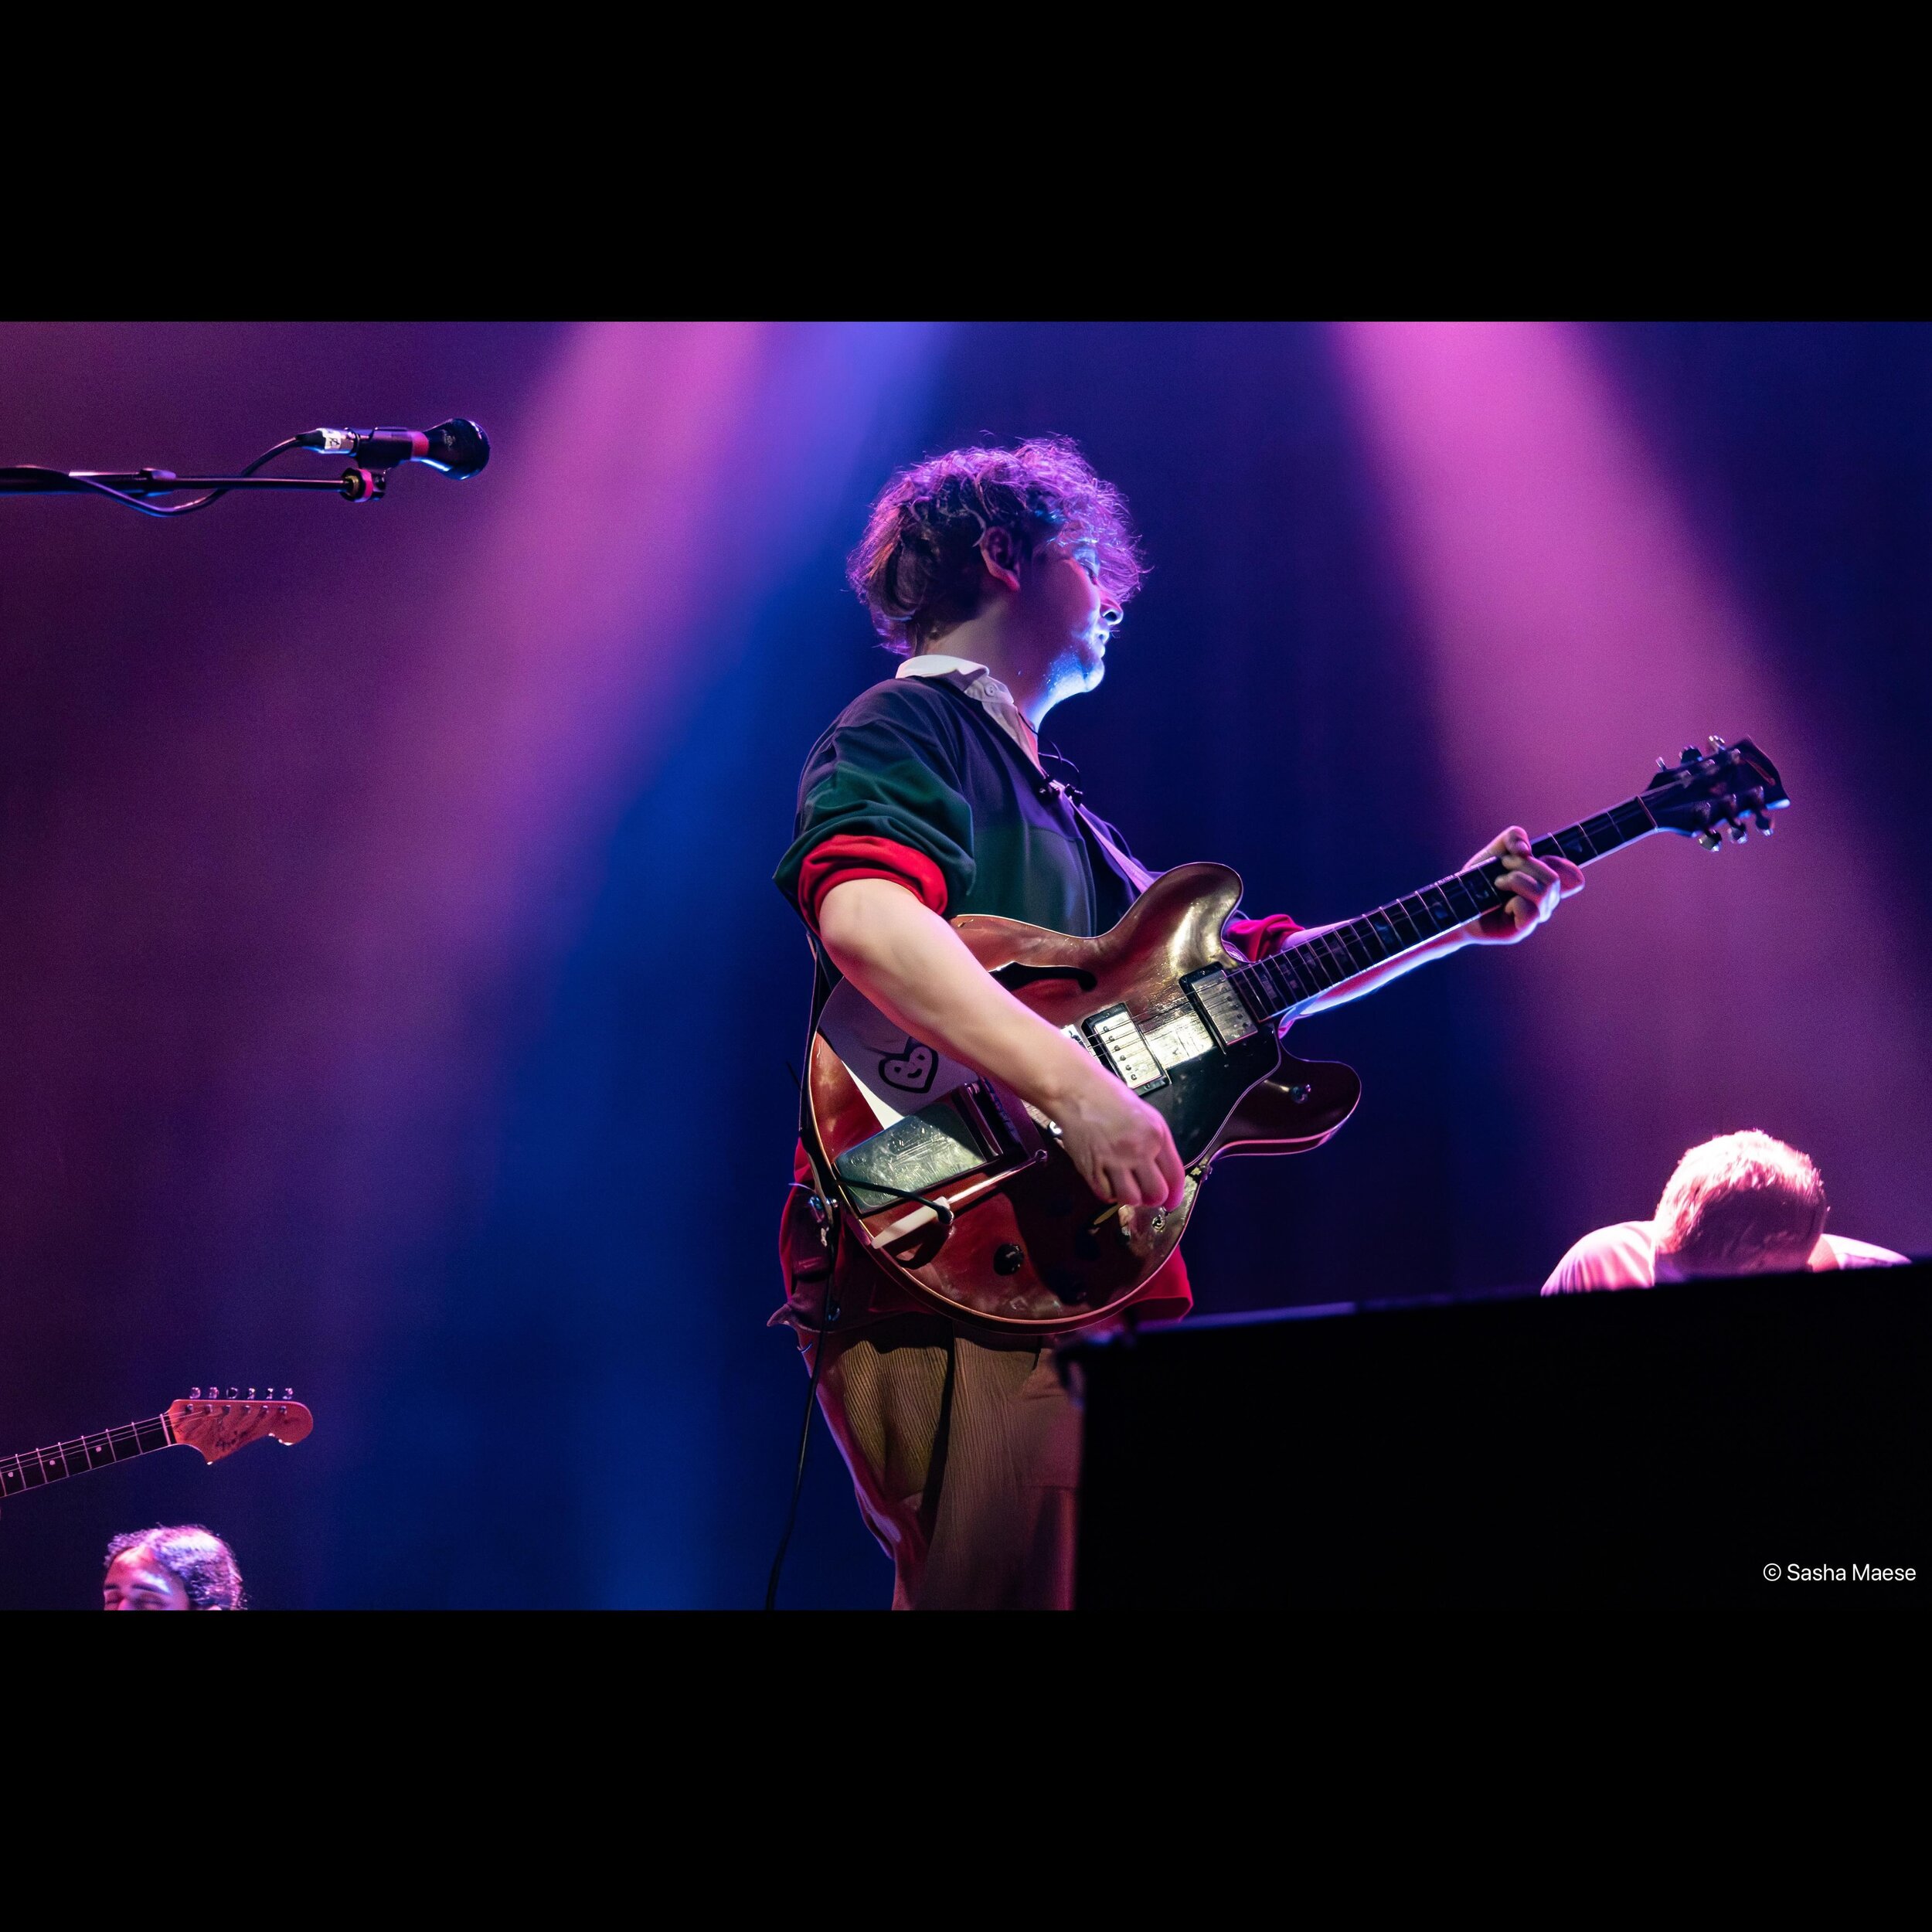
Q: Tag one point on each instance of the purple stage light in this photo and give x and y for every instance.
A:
(1577, 626)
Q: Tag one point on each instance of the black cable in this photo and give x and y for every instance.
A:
(946, 1216)
(829, 1317)
(201, 502)
(828, 1320)
(79, 483)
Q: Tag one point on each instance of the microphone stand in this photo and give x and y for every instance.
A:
(355, 484)
(458, 448)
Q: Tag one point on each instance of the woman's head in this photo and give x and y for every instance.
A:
(181, 1567)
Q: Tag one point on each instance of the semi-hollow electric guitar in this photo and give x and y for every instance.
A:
(216, 1424)
(961, 1190)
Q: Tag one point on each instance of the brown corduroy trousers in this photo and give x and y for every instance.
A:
(965, 1452)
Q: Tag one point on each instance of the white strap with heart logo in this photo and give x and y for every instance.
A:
(897, 1075)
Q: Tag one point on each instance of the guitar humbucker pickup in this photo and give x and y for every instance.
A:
(1119, 1042)
(1220, 1006)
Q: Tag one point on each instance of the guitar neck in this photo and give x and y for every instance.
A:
(1308, 966)
(38, 1467)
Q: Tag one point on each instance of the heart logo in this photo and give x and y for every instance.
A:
(912, 1071)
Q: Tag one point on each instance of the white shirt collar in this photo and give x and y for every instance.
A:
(993, 696)
(936, 664)
(997, 701)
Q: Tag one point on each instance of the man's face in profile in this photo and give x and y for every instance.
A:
(1070, 610)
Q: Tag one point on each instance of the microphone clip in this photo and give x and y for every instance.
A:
(364, 486)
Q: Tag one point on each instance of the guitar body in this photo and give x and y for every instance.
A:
(1030, 1247)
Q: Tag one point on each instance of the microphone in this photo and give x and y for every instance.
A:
(458, 448)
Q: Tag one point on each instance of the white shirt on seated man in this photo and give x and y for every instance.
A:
(1742, 1204)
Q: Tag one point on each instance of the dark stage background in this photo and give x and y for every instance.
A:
(397, 1005)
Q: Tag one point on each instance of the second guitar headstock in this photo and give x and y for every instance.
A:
(217, 1424)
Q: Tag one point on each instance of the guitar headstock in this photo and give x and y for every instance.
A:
(217, 1424)
(1707, 794)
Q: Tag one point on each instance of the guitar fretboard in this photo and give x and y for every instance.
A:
(40, 1466)
(1306, 967)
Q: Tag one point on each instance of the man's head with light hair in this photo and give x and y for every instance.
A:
(1742, 1204)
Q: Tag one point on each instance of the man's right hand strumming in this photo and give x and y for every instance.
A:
(1120, 1144)
(917, 970)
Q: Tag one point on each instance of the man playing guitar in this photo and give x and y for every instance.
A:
(1000, 577)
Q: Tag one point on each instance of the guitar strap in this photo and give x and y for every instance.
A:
(824, 1178)
(827, 1217)
(1122, 861)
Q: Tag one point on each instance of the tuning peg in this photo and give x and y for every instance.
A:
(1690, 757)
(1709, 841)
(1738, 831)
(251, 1394)
(1663, 764)
(233, 1396)
(1716, 744)
(194, 1395)
(1765, 823)
(288, 1395)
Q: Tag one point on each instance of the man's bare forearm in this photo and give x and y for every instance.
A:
(917, 970)
(1529, 890)
(1376, 977)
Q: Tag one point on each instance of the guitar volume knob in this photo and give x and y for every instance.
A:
(1007, 1258)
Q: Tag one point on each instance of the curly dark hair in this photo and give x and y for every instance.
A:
(917, 568)
(197, 1559)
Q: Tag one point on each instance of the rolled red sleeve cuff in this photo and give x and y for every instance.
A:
(860, 855)
(1256, 938)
